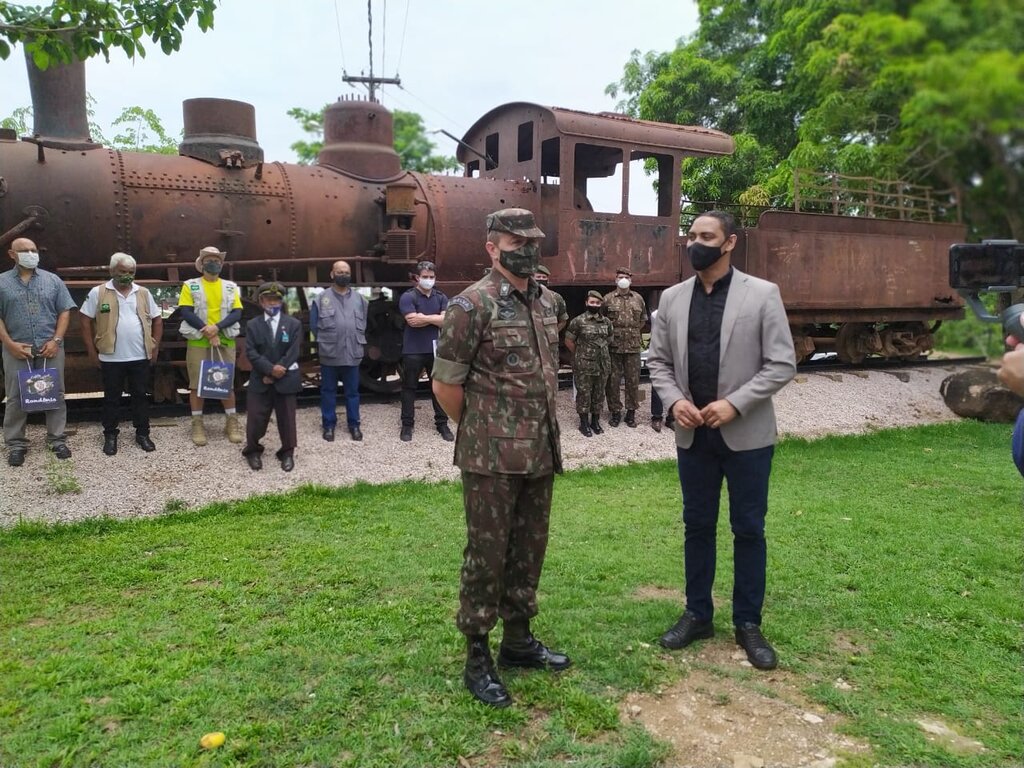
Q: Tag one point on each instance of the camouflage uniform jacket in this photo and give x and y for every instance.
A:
(591, 335)
(628, 314)
(560, 309)
(502, 347)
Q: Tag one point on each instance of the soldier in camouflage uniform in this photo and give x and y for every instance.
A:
(628, 313)
(496, 374)
(541, 277)
(587, 338)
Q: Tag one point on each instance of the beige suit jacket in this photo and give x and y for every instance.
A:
(756, 359)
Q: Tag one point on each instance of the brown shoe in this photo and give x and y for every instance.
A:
(233, 429)
(198, 431)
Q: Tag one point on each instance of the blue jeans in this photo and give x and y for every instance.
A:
(701, 469)
(329, 377)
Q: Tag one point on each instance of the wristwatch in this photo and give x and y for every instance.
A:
(58, 341)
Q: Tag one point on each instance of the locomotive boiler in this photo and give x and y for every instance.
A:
(858, 285)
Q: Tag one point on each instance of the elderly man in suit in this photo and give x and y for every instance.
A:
(272, 344)
(720, 348)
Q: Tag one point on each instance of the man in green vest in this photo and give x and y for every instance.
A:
(122, 327)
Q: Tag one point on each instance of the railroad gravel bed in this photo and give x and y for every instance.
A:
(136, 484)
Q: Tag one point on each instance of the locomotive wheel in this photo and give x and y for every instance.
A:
(382, 378)
(848, 343)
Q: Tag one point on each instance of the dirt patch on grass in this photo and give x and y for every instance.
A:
(724, 713)
(650, 592)
(939, 733)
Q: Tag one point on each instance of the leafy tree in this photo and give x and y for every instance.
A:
(139, 129)
(930, 92)
(82, 28)
(412, 144)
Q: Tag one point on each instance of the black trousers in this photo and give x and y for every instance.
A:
(259, 406)
(412, 365)
(132, 376)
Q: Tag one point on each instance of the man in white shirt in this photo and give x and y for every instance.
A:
(122, 327)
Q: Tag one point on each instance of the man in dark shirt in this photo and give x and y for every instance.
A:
(727, 336)
(423, 308)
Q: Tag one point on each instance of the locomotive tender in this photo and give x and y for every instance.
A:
(856, 285)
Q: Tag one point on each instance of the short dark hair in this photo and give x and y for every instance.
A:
(425, 265)
(726, 219)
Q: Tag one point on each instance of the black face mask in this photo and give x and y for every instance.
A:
(342, 280)
(593, 310)
(703, 256)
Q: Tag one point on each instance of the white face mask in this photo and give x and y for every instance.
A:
(623, 283)
(28, 259)
(427, 283)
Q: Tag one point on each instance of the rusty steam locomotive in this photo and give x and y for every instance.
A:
(854, 284)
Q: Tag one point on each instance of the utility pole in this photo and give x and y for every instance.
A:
(371, 81)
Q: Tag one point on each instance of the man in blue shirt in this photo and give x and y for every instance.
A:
(35, 309)
(1011, 373)
(423, 308)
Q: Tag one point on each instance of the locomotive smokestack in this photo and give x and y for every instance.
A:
(58, 104)
(221, 132)
(359, 139)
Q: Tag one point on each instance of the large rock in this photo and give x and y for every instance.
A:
(976, 393)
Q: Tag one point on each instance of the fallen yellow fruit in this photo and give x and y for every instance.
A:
(212, 740)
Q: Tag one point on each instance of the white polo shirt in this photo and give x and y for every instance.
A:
(130, 344)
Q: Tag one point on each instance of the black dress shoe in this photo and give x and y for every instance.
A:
(656, 423)
(287, 463)
(356, 433)
(614, 420)
(759, 653)
(255, 461)
(479, 676)
(329, 434)
(16, 457)
(585, 426)
(110, 444)
(406, 434)
(145, 443)
(532, 654)
(685, 631)
(630, 419)
(62, 452)
(446, 433)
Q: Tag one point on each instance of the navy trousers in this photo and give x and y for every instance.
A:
(702, 467)
(330, 375)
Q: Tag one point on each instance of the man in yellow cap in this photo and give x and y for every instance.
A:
(211, 314)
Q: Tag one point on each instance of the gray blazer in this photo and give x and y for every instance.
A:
(757, 357)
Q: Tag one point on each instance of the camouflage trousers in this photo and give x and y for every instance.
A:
(507, 536)
(589, 391)
(624, 365)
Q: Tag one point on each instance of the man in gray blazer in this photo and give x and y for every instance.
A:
(720, 348)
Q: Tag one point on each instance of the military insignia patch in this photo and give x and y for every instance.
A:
(505, 312)
(512, 359)
(506, 289)
(463, 303)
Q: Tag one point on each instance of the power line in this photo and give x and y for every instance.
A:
(341, 44)
(401, 50)
(384, 41)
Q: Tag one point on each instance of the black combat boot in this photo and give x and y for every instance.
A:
(585, 426)
(480, 678)
(614, 419)
(595, 424)
(519, 648)
(630, 419)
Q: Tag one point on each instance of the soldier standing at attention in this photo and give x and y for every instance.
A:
(541, 277)
(496, 374)
(628, 313)
(587, 338)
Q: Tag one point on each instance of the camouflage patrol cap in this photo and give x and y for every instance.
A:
(624, 271)
(595, 295)
(515, 221)
(543, 270)
(273, 288)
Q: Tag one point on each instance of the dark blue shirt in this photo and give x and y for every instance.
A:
(420, 341)
(1018, 442)
(704, 338)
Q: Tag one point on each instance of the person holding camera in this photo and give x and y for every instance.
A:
(35, 309)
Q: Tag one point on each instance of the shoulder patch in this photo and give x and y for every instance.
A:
(461, 301)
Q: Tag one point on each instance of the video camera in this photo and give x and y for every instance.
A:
(991, 266)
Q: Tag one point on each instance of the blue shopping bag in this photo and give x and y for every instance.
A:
(39, 389)
(216, 379)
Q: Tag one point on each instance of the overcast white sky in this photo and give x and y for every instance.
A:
(460, 58)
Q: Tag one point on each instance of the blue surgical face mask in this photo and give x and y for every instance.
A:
(28, 259)
(274, 311)
(427, 283)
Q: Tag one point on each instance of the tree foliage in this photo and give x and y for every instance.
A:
(66, 29)
(414, 147)
(137, 129)
(926, 91)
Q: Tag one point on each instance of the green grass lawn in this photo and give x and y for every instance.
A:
(316, 628)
